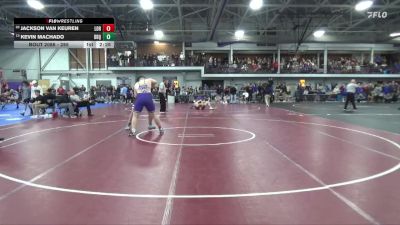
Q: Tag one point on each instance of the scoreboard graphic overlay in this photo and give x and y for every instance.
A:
(64, 33)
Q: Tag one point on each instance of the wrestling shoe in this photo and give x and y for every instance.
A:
(132, 133)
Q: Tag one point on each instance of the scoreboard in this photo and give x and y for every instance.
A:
(64, 33)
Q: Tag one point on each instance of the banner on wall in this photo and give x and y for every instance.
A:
(45, 84)
(302, 83)
(176, 84)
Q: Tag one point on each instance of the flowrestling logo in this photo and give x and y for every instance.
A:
(377, 15)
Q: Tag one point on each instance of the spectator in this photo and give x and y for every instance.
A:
(220, 91)
(124, 93)
(60, 90)
(35, 86)
(38, 103)
(26, 96)
(232, 91)
(268, 92)
(50, 98)
(65, 102)
(79, 102)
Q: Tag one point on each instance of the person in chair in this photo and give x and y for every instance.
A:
(80, 102)
(38, 103)
(64, 102)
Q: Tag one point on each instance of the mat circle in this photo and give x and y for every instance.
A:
(214, 196)
(251, 137)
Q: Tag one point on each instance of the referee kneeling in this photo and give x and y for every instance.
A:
(351, 90)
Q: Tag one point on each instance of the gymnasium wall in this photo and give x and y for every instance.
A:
(165, 49)
(80, 80)
(17, 59)
(58, 62)
(185, 79)
(27, 59)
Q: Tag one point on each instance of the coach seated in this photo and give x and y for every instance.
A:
(80, 102)
(64, 102)
(50, 98)
(38, 103)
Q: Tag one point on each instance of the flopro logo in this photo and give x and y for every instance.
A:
(377, 15)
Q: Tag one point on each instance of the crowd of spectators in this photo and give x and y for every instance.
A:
(344, 65)
(242, 64)
(354, 65)
(230, 94)
(37, 100)
(302, 63)
(254, 92)
(119, 59)
(212, 63)
(369, 92)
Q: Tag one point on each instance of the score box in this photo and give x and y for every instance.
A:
(108, 27)
(108, 36)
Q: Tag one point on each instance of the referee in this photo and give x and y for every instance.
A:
(351, 90)
(161, 93)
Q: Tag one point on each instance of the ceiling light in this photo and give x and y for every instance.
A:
(146, 4)
(256, 4)
(363, 5)
(158, 34)
(397, 34)
(35, 4)
(319, 33)
(239, 34)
